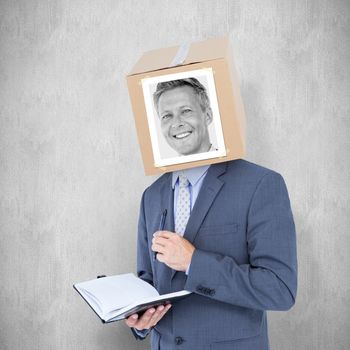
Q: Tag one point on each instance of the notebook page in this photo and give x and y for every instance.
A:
(113, 314)
(116, 292)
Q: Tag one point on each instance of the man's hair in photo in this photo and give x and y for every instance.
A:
(198, 88)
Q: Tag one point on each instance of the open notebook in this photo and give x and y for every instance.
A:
(117, 297)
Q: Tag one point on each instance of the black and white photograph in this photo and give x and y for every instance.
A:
(183, 117)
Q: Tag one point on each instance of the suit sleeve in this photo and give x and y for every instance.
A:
(269, 280)
(144, 269)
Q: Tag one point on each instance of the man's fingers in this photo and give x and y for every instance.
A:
(145, 319)
(158, 248)
(131, 320)
(160, 240)
(161, 244)
(160, 257)
(164, 234)
(155, 317)
(149, 319)
(160, 312)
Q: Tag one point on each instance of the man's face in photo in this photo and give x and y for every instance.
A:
(184, 123)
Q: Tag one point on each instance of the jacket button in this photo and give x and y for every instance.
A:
(179, 340)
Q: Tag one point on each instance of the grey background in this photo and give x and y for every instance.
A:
(72, 176)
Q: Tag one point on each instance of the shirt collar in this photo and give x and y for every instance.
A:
(193, 174)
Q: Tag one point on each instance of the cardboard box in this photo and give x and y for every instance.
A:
(180, 128)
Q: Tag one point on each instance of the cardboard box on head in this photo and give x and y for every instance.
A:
(187, 106)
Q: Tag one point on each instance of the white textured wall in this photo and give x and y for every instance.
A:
(71, 174)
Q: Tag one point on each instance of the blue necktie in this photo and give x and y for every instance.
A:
(183, 207)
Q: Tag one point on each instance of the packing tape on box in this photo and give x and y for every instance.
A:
(181, 55)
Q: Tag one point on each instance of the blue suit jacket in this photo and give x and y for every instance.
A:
(244, 263)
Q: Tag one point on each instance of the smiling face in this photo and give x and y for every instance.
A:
(184, 124)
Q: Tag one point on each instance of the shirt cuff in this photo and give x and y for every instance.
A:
(140, 334)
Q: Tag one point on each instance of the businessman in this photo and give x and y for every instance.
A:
(185, 114)
(229, 237)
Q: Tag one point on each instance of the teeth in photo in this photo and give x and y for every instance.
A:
(181, 136)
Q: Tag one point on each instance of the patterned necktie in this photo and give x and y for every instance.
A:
(183, 207)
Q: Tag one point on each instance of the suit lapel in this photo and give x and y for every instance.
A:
(167, 198)
(167, 202)
(210, 188)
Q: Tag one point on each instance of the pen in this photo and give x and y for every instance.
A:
(161, 228)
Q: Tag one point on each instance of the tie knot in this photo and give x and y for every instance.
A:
(183, 181)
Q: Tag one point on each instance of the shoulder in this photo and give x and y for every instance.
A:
(161, 182)
(249, 175)
(243, 167)
(252, 181)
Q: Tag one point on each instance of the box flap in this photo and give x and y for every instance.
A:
(199, 51)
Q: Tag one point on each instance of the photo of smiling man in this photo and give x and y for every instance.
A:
(185, 114)
(184, 124)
